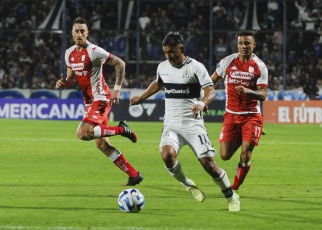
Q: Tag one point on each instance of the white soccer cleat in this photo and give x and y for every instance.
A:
(234, 206)
(196, 192)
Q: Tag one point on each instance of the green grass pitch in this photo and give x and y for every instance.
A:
(51, 180)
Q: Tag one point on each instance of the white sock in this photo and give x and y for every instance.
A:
(176, 172)
(114, 155)
(223, 182)
(97, 131)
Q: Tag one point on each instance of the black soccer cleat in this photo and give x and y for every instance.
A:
(127, 132)
(134, 180)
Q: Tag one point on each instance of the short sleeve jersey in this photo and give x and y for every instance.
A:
(88, 67)
(182, 89)
(235, 72)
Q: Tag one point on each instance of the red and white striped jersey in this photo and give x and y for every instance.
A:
(235, 72)
(88, 67)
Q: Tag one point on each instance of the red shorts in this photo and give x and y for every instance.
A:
(238, 127)
(97, 113)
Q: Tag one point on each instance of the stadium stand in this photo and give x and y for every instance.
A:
(37, 52)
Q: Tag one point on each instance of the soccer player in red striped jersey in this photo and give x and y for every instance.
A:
(85, 62)
(246, 79)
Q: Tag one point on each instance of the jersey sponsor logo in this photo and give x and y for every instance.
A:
(177, 91)
(77, 66)
(242, 75)
(182, 90)
(240, 82)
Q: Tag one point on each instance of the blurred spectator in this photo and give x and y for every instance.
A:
(220, 50)
(290, 83)
(309, 21)
(269, 21)
(302, 10)
(2, 75)
(310, 87)
(144, 20)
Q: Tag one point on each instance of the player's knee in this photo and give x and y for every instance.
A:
(85, 135)
(168, 159)
(224, 156)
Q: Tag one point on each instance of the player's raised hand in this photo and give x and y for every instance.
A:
(61, 82)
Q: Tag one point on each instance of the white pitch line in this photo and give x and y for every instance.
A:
(149, 141)
(62, 140)
(92, 228)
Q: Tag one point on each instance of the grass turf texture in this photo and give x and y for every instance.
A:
(51, 180)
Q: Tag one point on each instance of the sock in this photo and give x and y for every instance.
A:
(107, 131)
(241, 172)
(118, 159)
(176, 172)
(223, 182)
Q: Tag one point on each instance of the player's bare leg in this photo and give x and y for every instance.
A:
(221, 179)
(244, 164)
(228, 149)
(169, 156)
(88, 132)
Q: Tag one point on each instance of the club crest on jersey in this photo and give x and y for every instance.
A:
(72, 59)
(251, 69)
(83, 57)
(186, 74)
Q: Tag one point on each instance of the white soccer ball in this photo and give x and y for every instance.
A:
(131, 200)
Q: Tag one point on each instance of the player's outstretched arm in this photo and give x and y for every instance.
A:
(153, 88)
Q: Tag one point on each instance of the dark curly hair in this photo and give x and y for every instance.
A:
(172, 39)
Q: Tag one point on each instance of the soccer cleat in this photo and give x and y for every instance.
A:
(234, 206)
(236, 193)
(127, 131)
(196, 192)
(134, 180)
(264, 131)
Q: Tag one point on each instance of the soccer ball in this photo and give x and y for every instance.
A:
(131, 200)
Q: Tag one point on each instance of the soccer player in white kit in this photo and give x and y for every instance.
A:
(183, 78)
(84, 62)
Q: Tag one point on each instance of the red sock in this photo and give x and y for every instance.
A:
(107, 131)
(241, 173)
(125, 166)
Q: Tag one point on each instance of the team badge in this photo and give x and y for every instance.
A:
(186, 74)
(83, 57)
(251, 69)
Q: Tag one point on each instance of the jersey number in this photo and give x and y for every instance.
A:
(204, 139)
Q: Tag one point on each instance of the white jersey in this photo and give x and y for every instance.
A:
(182, 89)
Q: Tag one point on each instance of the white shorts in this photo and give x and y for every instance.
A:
(198, 142)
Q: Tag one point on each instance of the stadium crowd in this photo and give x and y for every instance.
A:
(30, 57)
